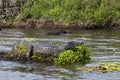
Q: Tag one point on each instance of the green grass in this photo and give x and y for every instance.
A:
(99, 12)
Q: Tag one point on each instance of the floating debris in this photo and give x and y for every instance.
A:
(104, 67)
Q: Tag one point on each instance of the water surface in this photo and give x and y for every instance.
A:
(104, 44)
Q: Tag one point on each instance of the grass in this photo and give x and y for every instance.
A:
(100, 12)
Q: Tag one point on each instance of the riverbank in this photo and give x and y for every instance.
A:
(73, 14)
(61, 14)
(60, 24)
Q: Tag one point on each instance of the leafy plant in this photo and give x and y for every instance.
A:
(80, 54)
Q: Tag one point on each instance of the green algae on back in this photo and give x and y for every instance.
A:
(37, 58)
(19, 53)
(42, 58)
(22, 49)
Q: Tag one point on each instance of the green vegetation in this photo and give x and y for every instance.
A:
(22, 49)
(37, 58)
(104, 67)
(19, 53)
(96, 12)
(80, 54)
(42, 58)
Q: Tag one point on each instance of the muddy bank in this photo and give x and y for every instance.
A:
(47, 23)
(56, 24)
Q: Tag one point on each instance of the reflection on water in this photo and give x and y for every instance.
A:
(104, 45)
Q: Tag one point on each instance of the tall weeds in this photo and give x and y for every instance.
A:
(97, 11)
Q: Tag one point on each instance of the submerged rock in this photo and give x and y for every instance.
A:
(4, 51)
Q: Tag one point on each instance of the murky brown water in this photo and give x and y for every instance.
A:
(104, 44)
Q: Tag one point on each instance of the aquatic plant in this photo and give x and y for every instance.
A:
(80, 54)
(30, 39)
(103, 67)
(39, 58)
(42, 58)
(109, 66)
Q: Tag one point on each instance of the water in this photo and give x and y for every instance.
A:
(104, 45)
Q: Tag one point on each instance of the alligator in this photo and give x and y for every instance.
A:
(48, 49)
(45, 49)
